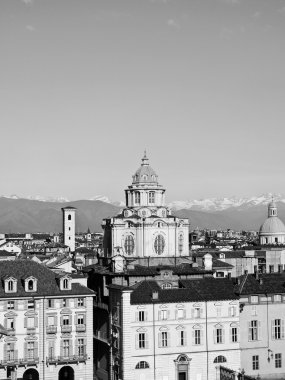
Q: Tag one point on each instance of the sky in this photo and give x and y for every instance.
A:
(87, 85)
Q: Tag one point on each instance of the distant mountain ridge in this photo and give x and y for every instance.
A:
(29, 215)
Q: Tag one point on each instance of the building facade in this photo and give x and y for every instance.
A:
(49, 319)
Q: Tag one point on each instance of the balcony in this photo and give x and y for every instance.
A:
(31, 330)
(15, 362)
(66, 359)
(11, 331)
(80, 328)
(51, 329)
(66, 328)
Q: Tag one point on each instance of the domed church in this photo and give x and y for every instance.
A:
(272, 231)
(145, 227)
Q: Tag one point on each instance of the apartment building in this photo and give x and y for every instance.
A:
(49, 319)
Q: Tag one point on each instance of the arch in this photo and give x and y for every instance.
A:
(142, 364)
(159, 244)
(31, 374)
(66, 373)
(220, 359)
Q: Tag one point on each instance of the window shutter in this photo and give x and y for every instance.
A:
(137, 341)
(61, 320)
(282, 328)
(70, 348)
(185, 337)
(249, 331)
(272, 330)
(159, 315)
(159, 340)
(193, 337)
(201, 336)
(5, 305)
(36, 321)
(137, 316)
(15, 353)
(230, 314)
(61, 348)
(25, 350)
(259, 331)
(5, 351)
(76, 352)
(84, 319)
(176, 314)
(184, 313)
(146, 340)
(145, 315)
(5, 323)
(168, 314)
(168, 339)
(55, 320)
(76, 319)
(223, 335)
(70, 319)
(201, 313)
(36, 350)
(214, 336)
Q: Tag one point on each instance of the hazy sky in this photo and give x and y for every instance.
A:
(87, 85)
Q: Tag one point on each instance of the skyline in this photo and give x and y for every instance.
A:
(86, 86)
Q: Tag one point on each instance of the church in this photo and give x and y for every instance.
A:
(145, 227)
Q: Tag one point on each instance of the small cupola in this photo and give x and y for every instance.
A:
(272, 209)
(31, 284)
(10, 284)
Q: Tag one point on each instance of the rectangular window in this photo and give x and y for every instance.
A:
(50, 303)
(31, 304)
(31, 350)
(65, 320)
(253, 310)
(253, 330)
(197, 312)
(182, 338)
(151, 197)
(232, 311)
(141, 316)
(31, 322)
(65, 347)
(163, 314)
(197, 336)
(219, 335)
(51, 320)
(142, 340)
(271, 268)
(278, 360)
(254, 299)
(10, 351)
(234, 334)
(80, 302)
(81, 347)
(164, 339)
(10, 324)
(255, 362)
(276, 329)
(11, 305)
(218, 311)
(80, 319)
(180, 314)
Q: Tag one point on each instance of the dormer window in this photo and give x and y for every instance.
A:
(31, 284)
(65, 283)
(10, 285)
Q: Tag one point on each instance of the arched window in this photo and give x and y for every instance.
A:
(129, 245)
(151, 197)
(159, 244)
(10, 285)
(142, 364)
(65, 283)
(31, 285)
(137, 197)
(166, 285)
(69, 217)
(220, 359)
(180, 243)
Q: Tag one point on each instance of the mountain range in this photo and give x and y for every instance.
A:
(44, 214)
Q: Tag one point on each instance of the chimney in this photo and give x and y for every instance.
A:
(155, 295)
(208, 261)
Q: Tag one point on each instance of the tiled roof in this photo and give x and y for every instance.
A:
(6, 253)
(221, 264)
(207, 289)
(269, 283)
(47, 284)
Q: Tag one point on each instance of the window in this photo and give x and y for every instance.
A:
(50, 303)
(31, 350)
(253, 330)
(51, 320)
(220, 359)
(234, 334)
(278, 360)
(219, 336)
(30, 322)
(10, 285)
(10, 351)
(65, 347)
(271, 268)
(141, 316)
(182, 338)
(81, 347)
(10, 324)
(80, 302)
(11, 305)
(197, 312)
(232, 311)
(65, 283)
(218, 311)
(180, 243)
(80, 319)
(255, 362)
(253, 310)
(142, 365)
(151, 197)
(30, 285)
(180, 314)
(163, 315)
(166, 285)
(69, 217)
(31, 304)
(137, 197)
(277, 329)
(142, 340)
(129, 245)
(197, 336)
(159, 244)
(65, 320)
(277, 298)
(164, 339)
(254, 299)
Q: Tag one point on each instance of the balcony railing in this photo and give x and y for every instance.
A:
(80, 328)
(66, 328)
(51, 329)
(13, 362)
(66, 359)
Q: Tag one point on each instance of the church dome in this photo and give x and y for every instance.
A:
(145, 173)
(272, 225)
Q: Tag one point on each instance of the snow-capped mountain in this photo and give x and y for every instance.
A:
(105, 199)
(37, 198)
(220, 204)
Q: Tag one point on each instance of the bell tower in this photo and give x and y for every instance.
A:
(68, 221)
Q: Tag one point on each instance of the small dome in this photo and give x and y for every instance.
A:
(145, 173)
(272, 204)
(272, 225)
